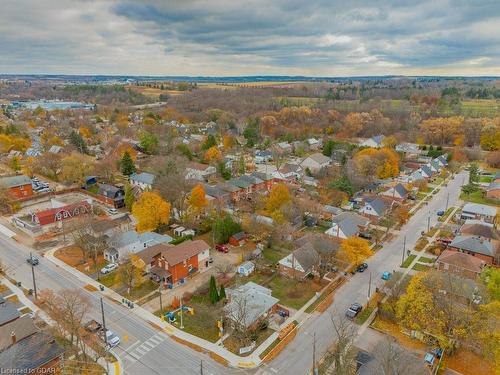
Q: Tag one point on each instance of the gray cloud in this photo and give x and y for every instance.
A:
(224, 37)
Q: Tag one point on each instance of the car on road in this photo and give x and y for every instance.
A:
(440, 213)
(362, 267)
(109, 268)
(33, 261)
(353, 310)
(112, 338)
(386, 275)
(222, 248)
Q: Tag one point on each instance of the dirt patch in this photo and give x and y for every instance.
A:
(73, 256)
(395, 331)
(468, 363)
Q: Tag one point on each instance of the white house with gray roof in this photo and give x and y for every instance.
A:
(316, 162)
(479, 211)
(143, 180)
(133, 242)
(347, 224)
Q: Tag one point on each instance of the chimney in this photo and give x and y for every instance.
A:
(13, 337)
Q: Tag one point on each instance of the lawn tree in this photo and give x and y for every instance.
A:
(355, 249)
(224, 269)
(394, 288)
(129, 273)
(129, 197)
(212, 291)
(474, 173)
(151, 211)
(343, 354)
(238, 314)
(127, 165)
(222, 293)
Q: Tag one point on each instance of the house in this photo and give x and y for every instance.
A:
(246, 268)
(442, 160)
(426, 171)
(109, 228)
(493, 190)
(112, 195)
(314, 144)
(316, 162)
(328, 211)
(263, 156)
(487, 250)
(238, 239)
(347, 224)
(375, 142)
(23, 348)
(200, 172)
(409, 149)
(374, 207)
(55, 149)
(59, 214)
(398, 192)
(131, 242)
(479, 211)
(289, 172)
(283, 148)
(464, 264)
(311, 181)
(301, 262)
(416, 176)
(142, 180)
(174, 264)
(18, 186)
(249, 304)
(481, 229)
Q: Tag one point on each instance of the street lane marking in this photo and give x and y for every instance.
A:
(136, 356)
(150, 344)
(141, 351)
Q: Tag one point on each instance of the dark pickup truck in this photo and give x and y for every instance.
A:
(93, 326)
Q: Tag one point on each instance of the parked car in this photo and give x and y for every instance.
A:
(33, 261)
(386, 275)
(109, 268)
(353, 310)
(112, 211)
(362, 267)
(222, 248)
(440, 213)
(112, 338)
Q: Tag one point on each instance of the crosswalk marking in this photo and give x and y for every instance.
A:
(137, 353)
(140, 350)
(151, 345)
(134, 355)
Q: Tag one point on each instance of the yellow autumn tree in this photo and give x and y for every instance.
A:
(228, 142)
(197, 199)
(85, 132)
(213, 154)
(151, 211)
(383, 163)
(11, 142)
(355, 249)
(278, 197)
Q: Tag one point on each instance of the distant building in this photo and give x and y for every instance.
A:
(112, 195)
(18, 186)
(316, 162)
(480, 212)
(143, 180)
(375, 142)
(131, 242)
(200, 172)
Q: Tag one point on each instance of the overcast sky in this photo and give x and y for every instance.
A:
(251, 37)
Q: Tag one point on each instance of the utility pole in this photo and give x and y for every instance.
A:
(369, 287)
(105, 334)
(404, 249)
(161, 305)
(315, 370)
(33, 275)
(201, 367)
(429, 222)
(447, 200)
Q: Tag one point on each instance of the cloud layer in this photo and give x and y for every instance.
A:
(236, 37)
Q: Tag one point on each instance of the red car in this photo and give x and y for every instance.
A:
(222, 248)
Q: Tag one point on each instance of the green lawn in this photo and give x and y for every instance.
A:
(143, 289)
(486, 179)
(421, 243)
(446, 214)
(479, 197)
(408, 261)
(420, 267)
(273, 255)
(364, 315)
(426, 260)
(291, 293)
(108, 280)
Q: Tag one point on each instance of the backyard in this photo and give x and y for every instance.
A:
(479, 196)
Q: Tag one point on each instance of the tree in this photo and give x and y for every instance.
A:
(381, 163)
(78, 142)
(15, 164)
(473, 173)
(222, 293)
(76, 167)
(209, 143)
(343, 354)
(278, 196)
(393, 359)
(389, 141)
(129, 197)
(212, 291)
(355, 249)
(228, 142)
(493, 159)
(127, 164)
(328, 148)
(149, 143)
(197, 199)
(343, 184)
(212, 154)
(490, 138)
(402, 215)
(129, 273)
(225, 227)
(491, 278)
(151, 211)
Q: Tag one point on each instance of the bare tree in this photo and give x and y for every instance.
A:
(343, 354)
(392, 359)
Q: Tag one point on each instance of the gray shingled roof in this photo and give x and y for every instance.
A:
(8, 311)
(378, 205)
(14, 181)
(144, 177)
(349, 222)
(473, 244)
(479, 209)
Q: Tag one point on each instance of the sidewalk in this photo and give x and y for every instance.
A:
(114, 368)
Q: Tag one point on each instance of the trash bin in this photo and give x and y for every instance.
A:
(101, 287)
(18, 283)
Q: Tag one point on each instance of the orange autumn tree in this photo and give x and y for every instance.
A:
(151, 211)
(197, 199)
(383, 163)
(213, 154)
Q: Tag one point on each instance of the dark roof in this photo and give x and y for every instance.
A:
(239, 236)
(14, 181)
(350, 222)
(478, 229)
(8, 311)
(31, 353)
(378, 205)
(22, 327)
(306, 256)
(109, 191)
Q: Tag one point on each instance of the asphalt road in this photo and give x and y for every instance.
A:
(297, 356)
(143, 350)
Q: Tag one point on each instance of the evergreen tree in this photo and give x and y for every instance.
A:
(473, 173)
(76, 140)
(212, 292)
(129, 197)
(127, 164)
(222, 293)
(210, 142)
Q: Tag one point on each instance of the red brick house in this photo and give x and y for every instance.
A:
(18, 186)
(173, 264)
(238, 239)
(53, 215)
(463, 264)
